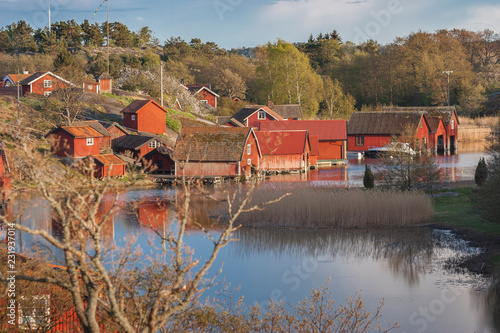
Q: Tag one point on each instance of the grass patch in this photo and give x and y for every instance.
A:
(180, 113)
(125, 100)
(460, 212)
(173, 124)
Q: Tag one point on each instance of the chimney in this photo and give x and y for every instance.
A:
(270, 103)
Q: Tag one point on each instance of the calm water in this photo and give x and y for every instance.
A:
(406, 267)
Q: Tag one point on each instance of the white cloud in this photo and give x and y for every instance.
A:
(484, 17)
(139, 18)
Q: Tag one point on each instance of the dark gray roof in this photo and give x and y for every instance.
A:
(446, 112)
(388, 123)
(288, 111)
(136, 142)
(214, 144)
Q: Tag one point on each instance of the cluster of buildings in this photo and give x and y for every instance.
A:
(256, 139)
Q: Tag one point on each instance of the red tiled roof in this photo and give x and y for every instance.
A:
(217, 144)
(109, 159)
(138, 104)
(327, 130)
(18, 77)
(282, 142)
(314, 140)
(80, 132)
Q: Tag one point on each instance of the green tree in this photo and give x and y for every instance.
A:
(285, 75)
(338, 103)
(481, 173)
(368, 178)
(20, 37)
(92, 34)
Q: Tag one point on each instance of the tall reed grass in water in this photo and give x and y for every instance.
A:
(318, 207)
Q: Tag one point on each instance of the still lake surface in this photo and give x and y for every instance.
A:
(405, 267)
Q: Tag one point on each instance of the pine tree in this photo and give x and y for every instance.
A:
(481, 172)
(368, 179)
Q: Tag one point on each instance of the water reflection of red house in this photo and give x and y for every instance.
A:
(5, 186)
(153, 213)
(329, 174)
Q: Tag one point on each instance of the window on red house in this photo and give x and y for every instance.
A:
(132, 117)
(249, 149)
(360, 141)
(262, 115)
(47, 83)
(90, 141)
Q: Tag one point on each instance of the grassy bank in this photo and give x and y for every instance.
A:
(460, 212)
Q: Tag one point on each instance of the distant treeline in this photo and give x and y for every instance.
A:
(329, 77)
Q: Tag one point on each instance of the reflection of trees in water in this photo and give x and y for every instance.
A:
(489, 298)
(407, 252)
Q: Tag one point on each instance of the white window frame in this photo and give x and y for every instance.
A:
(204, 101)
(47, 83)
(47, 93)
(452, 124)
(261, 115)
(358, 140)
(132, 117)
(249, 161)
(90, 141)
(154, 144)
(249, 149)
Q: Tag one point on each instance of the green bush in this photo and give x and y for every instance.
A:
(174, 124)
(481, 172)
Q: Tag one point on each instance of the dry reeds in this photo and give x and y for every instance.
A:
(319, 207)
(492, 121)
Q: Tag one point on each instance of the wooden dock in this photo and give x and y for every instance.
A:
(330, 163)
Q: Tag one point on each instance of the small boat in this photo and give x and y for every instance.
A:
(390, 149)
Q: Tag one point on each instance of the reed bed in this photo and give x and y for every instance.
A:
(492, 121)
(319, 207)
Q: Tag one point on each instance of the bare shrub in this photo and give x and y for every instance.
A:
(321, 207)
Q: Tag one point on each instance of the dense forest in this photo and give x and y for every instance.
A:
(330, 78)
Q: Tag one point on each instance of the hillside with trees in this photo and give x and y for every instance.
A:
(329, 77)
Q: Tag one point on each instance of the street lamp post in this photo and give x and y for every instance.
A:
(448, 73)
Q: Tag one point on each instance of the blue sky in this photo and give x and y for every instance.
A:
(245, 23)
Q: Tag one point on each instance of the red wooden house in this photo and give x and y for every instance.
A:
(136, 146)
(376, 129)
(145, 116)
(108, 165)
(11, 80)
(43, 83)
(216, 151)
(160, 160)
(332, 134)
(75, 141)
(450, 119)
(118, 133)
(105, 142)
(204, 93)
(251, 115)
(437, 133)
(103, 84)
(284, 150)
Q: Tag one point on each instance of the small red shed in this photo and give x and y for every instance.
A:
(216, 151)
(43, 83)
(204, 93)
(108, 165)
(105, 82)
(437, 134)
(251, 115)
(145, 116)
(160, 160)
(376, 129)
(118, 133)
(75, 141)
(284, 150)
(332, 134)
